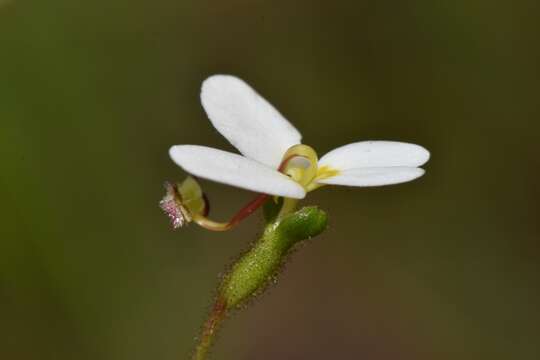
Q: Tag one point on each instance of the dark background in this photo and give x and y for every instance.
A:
(93, 93)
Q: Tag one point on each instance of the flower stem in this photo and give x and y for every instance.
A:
(209, 329)
(249, 276)
(247, 210)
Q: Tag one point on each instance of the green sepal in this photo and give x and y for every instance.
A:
(259, 265)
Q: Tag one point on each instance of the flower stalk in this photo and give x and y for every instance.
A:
(252, 272)
(209, 330)
(247, 210)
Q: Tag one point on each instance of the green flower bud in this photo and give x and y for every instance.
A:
(255, 269)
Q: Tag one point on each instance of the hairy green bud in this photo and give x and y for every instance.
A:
(256, 268)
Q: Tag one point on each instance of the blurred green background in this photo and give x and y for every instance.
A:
(93, 93)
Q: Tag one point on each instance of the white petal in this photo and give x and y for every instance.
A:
(236, 170)
(247, 120)
(374, 176)
(375, 154)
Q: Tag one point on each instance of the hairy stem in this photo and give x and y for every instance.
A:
(209, 329)
(253, 271)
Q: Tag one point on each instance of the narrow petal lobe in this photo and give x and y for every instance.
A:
(374, 176)
(247, 120)
(235, 170)
(375, 154)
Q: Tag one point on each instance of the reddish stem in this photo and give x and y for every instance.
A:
(210, 328)
(248, 209)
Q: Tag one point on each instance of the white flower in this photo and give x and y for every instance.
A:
(270, 149)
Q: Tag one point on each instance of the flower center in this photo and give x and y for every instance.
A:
(300, 163)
